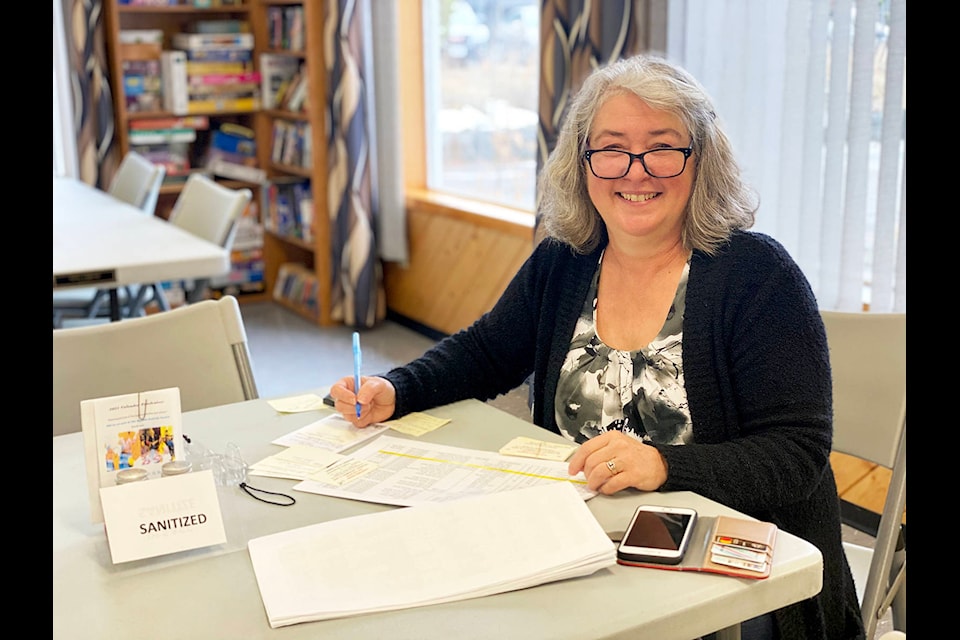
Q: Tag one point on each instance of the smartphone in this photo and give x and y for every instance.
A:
(657, 534)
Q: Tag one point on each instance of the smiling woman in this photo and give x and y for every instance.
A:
(621, 363)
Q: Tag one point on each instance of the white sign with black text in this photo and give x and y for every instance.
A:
(161, 516)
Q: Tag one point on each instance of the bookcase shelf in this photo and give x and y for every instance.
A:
(307, 259)
(308, 256)
(183, 146)
(169, 20)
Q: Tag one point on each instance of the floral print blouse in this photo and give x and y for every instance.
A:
(638, 392)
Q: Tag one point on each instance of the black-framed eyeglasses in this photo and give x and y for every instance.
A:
(610, 164)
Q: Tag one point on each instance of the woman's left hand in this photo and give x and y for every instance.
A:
(613, 461)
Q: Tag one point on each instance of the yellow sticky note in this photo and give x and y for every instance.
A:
(416, 424)
(531, 448)
(298, 404)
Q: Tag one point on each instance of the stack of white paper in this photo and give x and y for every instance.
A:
(428, 554)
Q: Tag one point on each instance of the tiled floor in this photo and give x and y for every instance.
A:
(291, 355)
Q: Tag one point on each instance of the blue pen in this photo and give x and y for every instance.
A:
(356, 367)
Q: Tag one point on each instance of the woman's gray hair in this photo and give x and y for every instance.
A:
(720, 201)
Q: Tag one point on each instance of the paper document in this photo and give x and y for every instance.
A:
(297, 462)
(410, 473)
(430, 554)
(332, 433)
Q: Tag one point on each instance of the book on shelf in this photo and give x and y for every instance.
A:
(288, 207)
(140, 36)
(217, 79)
(224, 103)
(276, 71)
(208, 41)
(293, 24)
(279, 138)
(182, 177)
(234, 140)
(213, 153)
(219, 55)
(291, 146)
(291, 143)
(151, 3)
(304, 201)
(142, 85)
(174, 68)
(295, 95)
(298, 286)
(177, 122)
(284, 207)
(306, 153)
(234, 171)
(249, 236)
(220, 26)
(174, 157)
(275, 33)
(285, 28)
(212, 4)
(233, 90)
(246, 266)
(161, 136)
(217, 68)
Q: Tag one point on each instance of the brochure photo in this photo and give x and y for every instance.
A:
(135, 430)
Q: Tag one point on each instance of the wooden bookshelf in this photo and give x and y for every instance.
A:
(281, 248)
(170, 19)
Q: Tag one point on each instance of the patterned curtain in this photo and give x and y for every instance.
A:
(576, 37)
(90, 90)
(358, 298)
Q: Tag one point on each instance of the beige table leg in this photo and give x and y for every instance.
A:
(730, 633)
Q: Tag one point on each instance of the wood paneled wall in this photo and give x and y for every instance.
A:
(459, 263)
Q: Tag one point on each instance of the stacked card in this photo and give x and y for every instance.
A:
(740, 553)
(741, 547)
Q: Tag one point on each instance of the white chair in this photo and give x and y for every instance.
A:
(137, 182)
(868, 359)
(206, 209)
(200, 348)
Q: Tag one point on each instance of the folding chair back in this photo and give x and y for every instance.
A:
(200, 348)
(868, 358)
(138, 181)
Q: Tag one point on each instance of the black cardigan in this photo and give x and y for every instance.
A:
(757, 376)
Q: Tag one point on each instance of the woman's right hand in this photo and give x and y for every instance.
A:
(377, 398)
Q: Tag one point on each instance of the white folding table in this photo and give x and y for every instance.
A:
(213, 593)
(101, 241)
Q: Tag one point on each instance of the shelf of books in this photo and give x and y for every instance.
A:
(291, 127)
(189, 99)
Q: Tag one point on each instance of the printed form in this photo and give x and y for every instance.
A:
(406, 473)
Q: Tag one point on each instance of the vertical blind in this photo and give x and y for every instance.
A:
(812, 94)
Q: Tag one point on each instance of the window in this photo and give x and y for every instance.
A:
(481, 60)
(814, 99)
